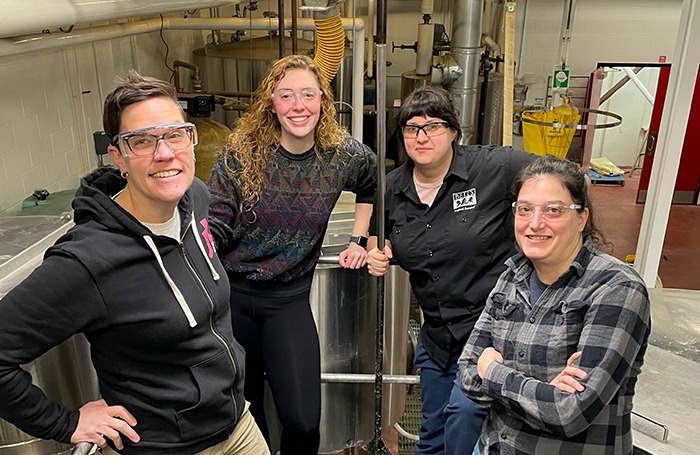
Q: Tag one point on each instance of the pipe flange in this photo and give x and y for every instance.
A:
(320, 5)
(577, 126)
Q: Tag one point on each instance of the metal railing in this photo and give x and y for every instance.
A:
(82, 448)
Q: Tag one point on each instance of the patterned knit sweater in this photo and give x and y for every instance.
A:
(282, 241)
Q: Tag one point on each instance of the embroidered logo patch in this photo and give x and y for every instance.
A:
(464, 200)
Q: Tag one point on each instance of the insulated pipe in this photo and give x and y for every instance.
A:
(23, 17)
(426, 32)
(487, 40)
(196, 79)
(424, 53)
(33, 43)
(466, 51)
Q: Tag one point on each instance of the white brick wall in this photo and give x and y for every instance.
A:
(633, 31)
(51, 103)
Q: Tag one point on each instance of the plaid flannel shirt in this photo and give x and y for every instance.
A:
(599, 306)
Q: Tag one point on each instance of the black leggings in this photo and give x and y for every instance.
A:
(280, 339)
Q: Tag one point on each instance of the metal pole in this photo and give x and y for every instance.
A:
(82, 448)
(376, 445)
(280, 21)
(366, 378)
(295, 46)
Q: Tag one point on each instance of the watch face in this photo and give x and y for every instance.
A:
(360, 240)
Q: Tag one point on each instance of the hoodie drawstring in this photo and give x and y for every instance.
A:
(178, 295)
(214, 274)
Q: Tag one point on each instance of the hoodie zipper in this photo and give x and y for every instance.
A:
(210, 300)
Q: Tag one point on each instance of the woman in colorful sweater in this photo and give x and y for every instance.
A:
(272, 192)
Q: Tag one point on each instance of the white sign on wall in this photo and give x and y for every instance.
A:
(560, 77)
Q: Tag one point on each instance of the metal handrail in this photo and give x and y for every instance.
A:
(361, 378)
(82, 448)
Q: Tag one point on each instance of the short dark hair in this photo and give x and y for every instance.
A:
(428, 101)
(131, 89)
(573, 178)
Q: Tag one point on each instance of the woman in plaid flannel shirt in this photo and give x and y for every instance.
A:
(556, 353)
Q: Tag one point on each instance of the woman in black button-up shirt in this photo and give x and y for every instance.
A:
(449, 224)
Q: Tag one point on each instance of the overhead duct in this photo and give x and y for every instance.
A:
(330, 49)
(330, 36)
(19, 18)
(466, 51)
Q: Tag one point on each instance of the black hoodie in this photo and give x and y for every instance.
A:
(155, 311)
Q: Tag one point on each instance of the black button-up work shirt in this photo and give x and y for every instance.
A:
(455, 249)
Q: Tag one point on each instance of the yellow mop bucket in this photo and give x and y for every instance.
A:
(550, 140)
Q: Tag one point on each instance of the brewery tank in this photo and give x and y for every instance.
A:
(240, 66)
(343, 303)
(65, 372)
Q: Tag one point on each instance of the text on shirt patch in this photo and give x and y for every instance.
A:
(464, 200)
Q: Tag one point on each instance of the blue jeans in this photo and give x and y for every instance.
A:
(451, 421)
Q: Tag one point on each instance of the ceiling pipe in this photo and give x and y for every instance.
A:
(35, 43)
(19, 18)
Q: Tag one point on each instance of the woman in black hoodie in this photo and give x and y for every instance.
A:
(138, 275)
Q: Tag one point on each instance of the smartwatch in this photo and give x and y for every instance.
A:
(359, 239)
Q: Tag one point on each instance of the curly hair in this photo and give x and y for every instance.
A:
(258, 131)
(572, 176)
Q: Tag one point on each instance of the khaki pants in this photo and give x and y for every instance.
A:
(246, 439)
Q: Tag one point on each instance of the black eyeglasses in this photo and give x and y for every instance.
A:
(431, 129)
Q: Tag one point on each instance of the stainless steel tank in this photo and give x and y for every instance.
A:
(343, 303)
(344, 307)
(65, 372)
(240, 66)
